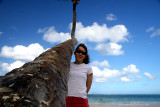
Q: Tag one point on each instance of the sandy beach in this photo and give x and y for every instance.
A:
(124, 105)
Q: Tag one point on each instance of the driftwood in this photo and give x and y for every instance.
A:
(42, 82)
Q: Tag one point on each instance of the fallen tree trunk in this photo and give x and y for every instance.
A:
(40, 83)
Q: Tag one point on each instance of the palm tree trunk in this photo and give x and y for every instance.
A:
(42, 82)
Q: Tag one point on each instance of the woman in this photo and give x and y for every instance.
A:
(80, 79)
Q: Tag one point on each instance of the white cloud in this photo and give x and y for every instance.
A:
(94, 33)
(106, 73)
(109, 48)
(52, 36)
(155, 33)
(100, 79)
(130, 69)
(20, 52)
(128, 74)
(8, 67)
(125, 79)
(131, 72)
(150, 29)
(111, 17)
(101, 76)
(101, 33)
(101, 64)
(149, 75)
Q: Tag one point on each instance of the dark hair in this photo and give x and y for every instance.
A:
(86, 59)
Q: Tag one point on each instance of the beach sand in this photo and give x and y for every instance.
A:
(124, 104)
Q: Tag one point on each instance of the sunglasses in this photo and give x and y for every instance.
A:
(83, 53)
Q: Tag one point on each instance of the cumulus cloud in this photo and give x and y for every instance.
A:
(94, 33)
(155, 33)
(125, 79)
(111, 17)
(101, 33)
(100, 79)
(105, 73)
(52, 36)
(130, 69)
(8, 67)
(149, 75)
(20, 52)
(102, 75)
(128, 74)
(101, 64)
(150, 29)
(109, 48)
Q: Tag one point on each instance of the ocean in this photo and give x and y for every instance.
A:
(142, 99)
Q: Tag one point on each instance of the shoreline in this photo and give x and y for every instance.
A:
(126, 104)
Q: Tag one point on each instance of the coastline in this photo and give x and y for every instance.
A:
(129, 104)
(128, 100)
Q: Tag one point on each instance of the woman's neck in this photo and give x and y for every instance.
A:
(78, 62)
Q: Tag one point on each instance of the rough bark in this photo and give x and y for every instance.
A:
(40, 83)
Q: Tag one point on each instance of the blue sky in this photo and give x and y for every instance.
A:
(123, 38)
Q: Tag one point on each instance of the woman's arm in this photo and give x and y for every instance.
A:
(89, 82)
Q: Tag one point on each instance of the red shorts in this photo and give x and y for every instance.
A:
(76, 102)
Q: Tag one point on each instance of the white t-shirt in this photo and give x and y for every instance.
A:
(77, 80)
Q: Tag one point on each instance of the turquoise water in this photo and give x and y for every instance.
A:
(99, 98)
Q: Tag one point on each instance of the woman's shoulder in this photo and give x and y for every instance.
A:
(87, 66)
(83, 65)
(89, 69)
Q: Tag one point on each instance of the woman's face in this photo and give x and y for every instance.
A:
(80, 54)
